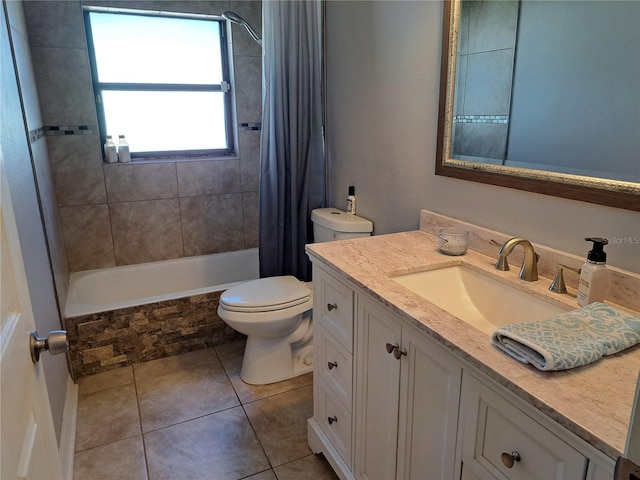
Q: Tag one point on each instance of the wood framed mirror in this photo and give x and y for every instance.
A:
(549, 153)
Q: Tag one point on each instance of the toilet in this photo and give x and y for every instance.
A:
(276, 312)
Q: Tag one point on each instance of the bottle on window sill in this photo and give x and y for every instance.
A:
(110, 150)
(124, 156)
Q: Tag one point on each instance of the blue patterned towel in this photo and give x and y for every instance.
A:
(570, 339)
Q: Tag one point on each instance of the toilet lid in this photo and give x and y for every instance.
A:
(266, 294)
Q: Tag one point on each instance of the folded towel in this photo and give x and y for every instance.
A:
(571, 339)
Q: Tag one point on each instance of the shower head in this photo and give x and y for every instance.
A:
(235, 18)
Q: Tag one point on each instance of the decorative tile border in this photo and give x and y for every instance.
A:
(35, 135)
(108, 340)
(251, 126)
(51, 130)
(481, 119)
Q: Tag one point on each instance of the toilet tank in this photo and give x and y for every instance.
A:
(333, 224)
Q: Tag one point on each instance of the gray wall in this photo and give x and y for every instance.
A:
(123, 214)
(24, 155)
(383, 89)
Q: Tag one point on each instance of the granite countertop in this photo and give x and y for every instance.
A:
(592, 401)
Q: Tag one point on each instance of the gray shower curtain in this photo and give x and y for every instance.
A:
(292, 169)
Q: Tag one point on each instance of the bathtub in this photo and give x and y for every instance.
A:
(105, 289)
(120, 316)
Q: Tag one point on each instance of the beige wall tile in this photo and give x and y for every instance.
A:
(55, 23)
(208, 178)
(212, 223)
(64, 86)
(87, 237)
(248, 88)
(146, 231)
(127, 183)
(251, 11)
(249, 143)
(77, 169)
(194, 6)
(250, 214)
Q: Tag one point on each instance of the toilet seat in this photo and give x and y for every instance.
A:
(266, 295)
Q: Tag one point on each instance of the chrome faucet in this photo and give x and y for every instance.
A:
(529, 270)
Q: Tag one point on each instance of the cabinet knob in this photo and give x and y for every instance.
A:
(331, 365)
(510, 458)
(331, 306)
(399, 353)
(332, 419)
(391, 347)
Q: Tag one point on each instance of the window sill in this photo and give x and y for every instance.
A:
(203, 158)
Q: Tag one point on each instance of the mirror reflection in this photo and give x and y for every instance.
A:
(551, 86)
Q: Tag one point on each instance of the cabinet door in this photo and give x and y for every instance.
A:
(378, 380)
(500, 441)
(430, 381)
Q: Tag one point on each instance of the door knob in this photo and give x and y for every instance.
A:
(55, 343)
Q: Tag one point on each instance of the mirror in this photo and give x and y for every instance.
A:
(544, 97)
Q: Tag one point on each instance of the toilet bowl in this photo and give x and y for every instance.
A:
(276, 312)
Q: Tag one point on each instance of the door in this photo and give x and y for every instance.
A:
(29, 446)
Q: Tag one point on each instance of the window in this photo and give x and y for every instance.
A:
(163, 82)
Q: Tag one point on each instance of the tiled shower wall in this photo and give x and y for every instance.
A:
(486, 50)
(142, 212)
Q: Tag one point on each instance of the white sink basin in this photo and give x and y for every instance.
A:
(475, 298)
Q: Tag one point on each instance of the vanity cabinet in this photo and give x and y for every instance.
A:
(390, 402)
(407, 392)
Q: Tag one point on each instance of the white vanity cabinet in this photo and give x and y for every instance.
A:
(407, 393)
(390, 402)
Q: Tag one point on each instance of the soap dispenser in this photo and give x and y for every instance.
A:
(594, 275)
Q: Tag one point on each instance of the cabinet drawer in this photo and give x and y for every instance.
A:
(333, 307)
(495, 428)
(335, 421)
(335, 365)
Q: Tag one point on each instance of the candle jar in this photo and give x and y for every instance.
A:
(453, 241)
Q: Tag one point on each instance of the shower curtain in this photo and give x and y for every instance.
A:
(292, 164)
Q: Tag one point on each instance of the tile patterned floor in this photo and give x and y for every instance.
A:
(191, 417)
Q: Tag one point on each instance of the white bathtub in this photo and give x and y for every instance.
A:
(105, 289)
